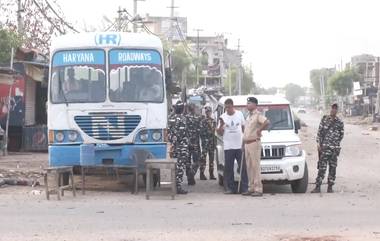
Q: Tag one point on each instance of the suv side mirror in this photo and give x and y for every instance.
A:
(297, 125)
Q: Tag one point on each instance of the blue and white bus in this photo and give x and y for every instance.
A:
(107, 93)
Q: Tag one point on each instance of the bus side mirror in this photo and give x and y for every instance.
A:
(297, 125)
(171, 87)
(168, 76)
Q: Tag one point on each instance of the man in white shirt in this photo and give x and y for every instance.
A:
(231, 127)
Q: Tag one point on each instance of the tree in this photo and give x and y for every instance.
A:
(342, 82)
(247, 85)
(42, 20)
(315, 78)
(293, 92)
(181, 62)
(8, 40)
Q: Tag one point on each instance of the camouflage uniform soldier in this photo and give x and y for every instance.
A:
(330, 134)
(194, 129)
(208, 138)
(178, 137)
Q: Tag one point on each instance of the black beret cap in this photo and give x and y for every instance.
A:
(252, 100)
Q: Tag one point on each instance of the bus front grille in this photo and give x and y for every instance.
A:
(107, 126)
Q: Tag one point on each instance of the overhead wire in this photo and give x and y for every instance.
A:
(183, 40)
(60, 18)
(47, 18)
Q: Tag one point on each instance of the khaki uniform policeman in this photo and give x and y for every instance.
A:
(255, 123)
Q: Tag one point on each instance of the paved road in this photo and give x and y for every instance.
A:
(352, 213)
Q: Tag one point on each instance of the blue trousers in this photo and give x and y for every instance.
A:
(229, 180)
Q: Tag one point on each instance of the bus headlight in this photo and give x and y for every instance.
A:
(157, 135)
(73, 136)
(144, 136)
(293, 150)
(59, 136)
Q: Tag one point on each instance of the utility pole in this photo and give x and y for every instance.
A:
(378, 91)
(197, 63)
(238, 73)
(120, 11)
(5, 140)
(229, 79)
(135, 15)
(20, 21)
(172, 19)
(322, 90)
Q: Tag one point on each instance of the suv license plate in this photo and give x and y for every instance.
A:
(269, 169)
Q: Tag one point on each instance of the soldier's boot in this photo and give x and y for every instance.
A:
(180, 190)
(202, 176)
(190, 177)
(330, 189)
(190, 180)
(212, 177)
(317, 189)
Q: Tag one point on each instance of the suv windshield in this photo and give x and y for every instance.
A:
(135, 76)
(279, 116)
(78, 76)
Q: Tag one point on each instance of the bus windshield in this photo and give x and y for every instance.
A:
(279, 116)
(78, 76)
(135, 76)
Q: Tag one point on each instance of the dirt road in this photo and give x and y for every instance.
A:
(352, 213)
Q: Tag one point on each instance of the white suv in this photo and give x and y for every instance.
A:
(283, 161)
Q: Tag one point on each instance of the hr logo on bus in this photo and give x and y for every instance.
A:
(107, 39)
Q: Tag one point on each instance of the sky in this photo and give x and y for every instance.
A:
(282, 39)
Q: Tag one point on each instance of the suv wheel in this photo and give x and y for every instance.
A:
(300, 186)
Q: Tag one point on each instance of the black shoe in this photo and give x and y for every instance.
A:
(317, 189)
(229, 192)
(181, 191)
(257, 194)
(246, 193)
(330, 189)
(190, 180)
(212, 177)
(202, 176)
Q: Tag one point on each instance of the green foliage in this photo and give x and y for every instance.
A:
(342, 82)
(293, 92)
(315, 77)
(181, 62)
(247, 84)
(8, 40)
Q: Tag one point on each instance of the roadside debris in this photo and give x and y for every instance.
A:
(19, 182)
(373, 128)
(36, 192)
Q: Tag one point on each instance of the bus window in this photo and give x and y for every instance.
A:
(135, 76)
(75, 81)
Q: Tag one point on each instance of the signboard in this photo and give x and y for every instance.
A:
(135, 57)
(17, 103)
(35, 138)
(79, 57)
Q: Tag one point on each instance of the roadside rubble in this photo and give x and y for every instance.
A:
(19, 182)
(19, 178)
